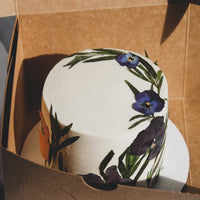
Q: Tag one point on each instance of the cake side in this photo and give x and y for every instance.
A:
(117, 100)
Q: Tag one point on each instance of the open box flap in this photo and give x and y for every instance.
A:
(178, 95)
(25, 180)
(23, 7)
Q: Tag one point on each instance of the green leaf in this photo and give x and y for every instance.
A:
(121, 166)
(50, 155)
(122, 170)
(76, 60)
(148, 74)
(160, 84)
(55, 128)
(148, 66)
(138, 122)
(105, 162)
(156, 62)
(111, 51)
(159, 74)
(100, 59)
(141, 170)
(78, 54)
(67, 142)
(136, 116)
(131, 160)
(60, 162)
(146, 53)
(133, 89)
(136, 165)
(141, 75)
(66, 130)
(138, 75)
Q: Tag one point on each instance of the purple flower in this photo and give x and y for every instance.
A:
(148, 102)
(111, 181)
(128, 60)
(151, 138)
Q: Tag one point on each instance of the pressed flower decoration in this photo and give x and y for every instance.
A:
(149, 143)
(148, 102)
(128, 60)
(51, 152)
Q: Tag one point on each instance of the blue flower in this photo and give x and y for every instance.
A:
(128, 60)
(148, 102)
(151, 138)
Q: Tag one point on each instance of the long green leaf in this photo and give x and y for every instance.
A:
(60, 162)
(146, 54)
(137, 123)
(76, 60)
(131, 161)
(136, 165)
(67, 142)
(50, 155)
(141, 170)
(159, 74)
(100, 59)
(138, 75)
(141, 75)
(133, 89)
(111, 51)
(160, 84)
(136, 116)
(121, 166)
(147, 73)
(148, 66)
(66, 130)
(78, 54)
(105, 162)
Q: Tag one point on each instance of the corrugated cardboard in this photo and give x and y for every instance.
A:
(48, 31)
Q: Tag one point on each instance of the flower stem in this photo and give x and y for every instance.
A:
(133, 169)
(141, 170)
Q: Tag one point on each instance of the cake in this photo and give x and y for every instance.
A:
(104, 114)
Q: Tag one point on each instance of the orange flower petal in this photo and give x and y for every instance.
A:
(44, 145)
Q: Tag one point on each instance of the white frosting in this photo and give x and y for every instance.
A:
(95, 97)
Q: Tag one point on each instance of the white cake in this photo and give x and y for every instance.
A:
(99, 91)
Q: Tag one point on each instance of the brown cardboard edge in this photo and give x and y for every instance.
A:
(9, 85)
(22, 7)
(16, 7)
(26, 178)
(7, 8)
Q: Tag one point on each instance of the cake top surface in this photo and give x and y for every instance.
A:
(99, 91)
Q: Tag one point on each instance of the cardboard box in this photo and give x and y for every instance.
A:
(47, 31)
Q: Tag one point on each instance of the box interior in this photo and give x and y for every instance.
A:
(169, 33)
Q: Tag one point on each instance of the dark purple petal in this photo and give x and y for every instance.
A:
(96, 182)
(152, 136)
(92, 179)
(112, 175)
(142, 143)
(155, 125)
(127, 181)
(158, 142)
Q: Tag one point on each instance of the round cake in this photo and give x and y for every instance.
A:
(106, 112)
